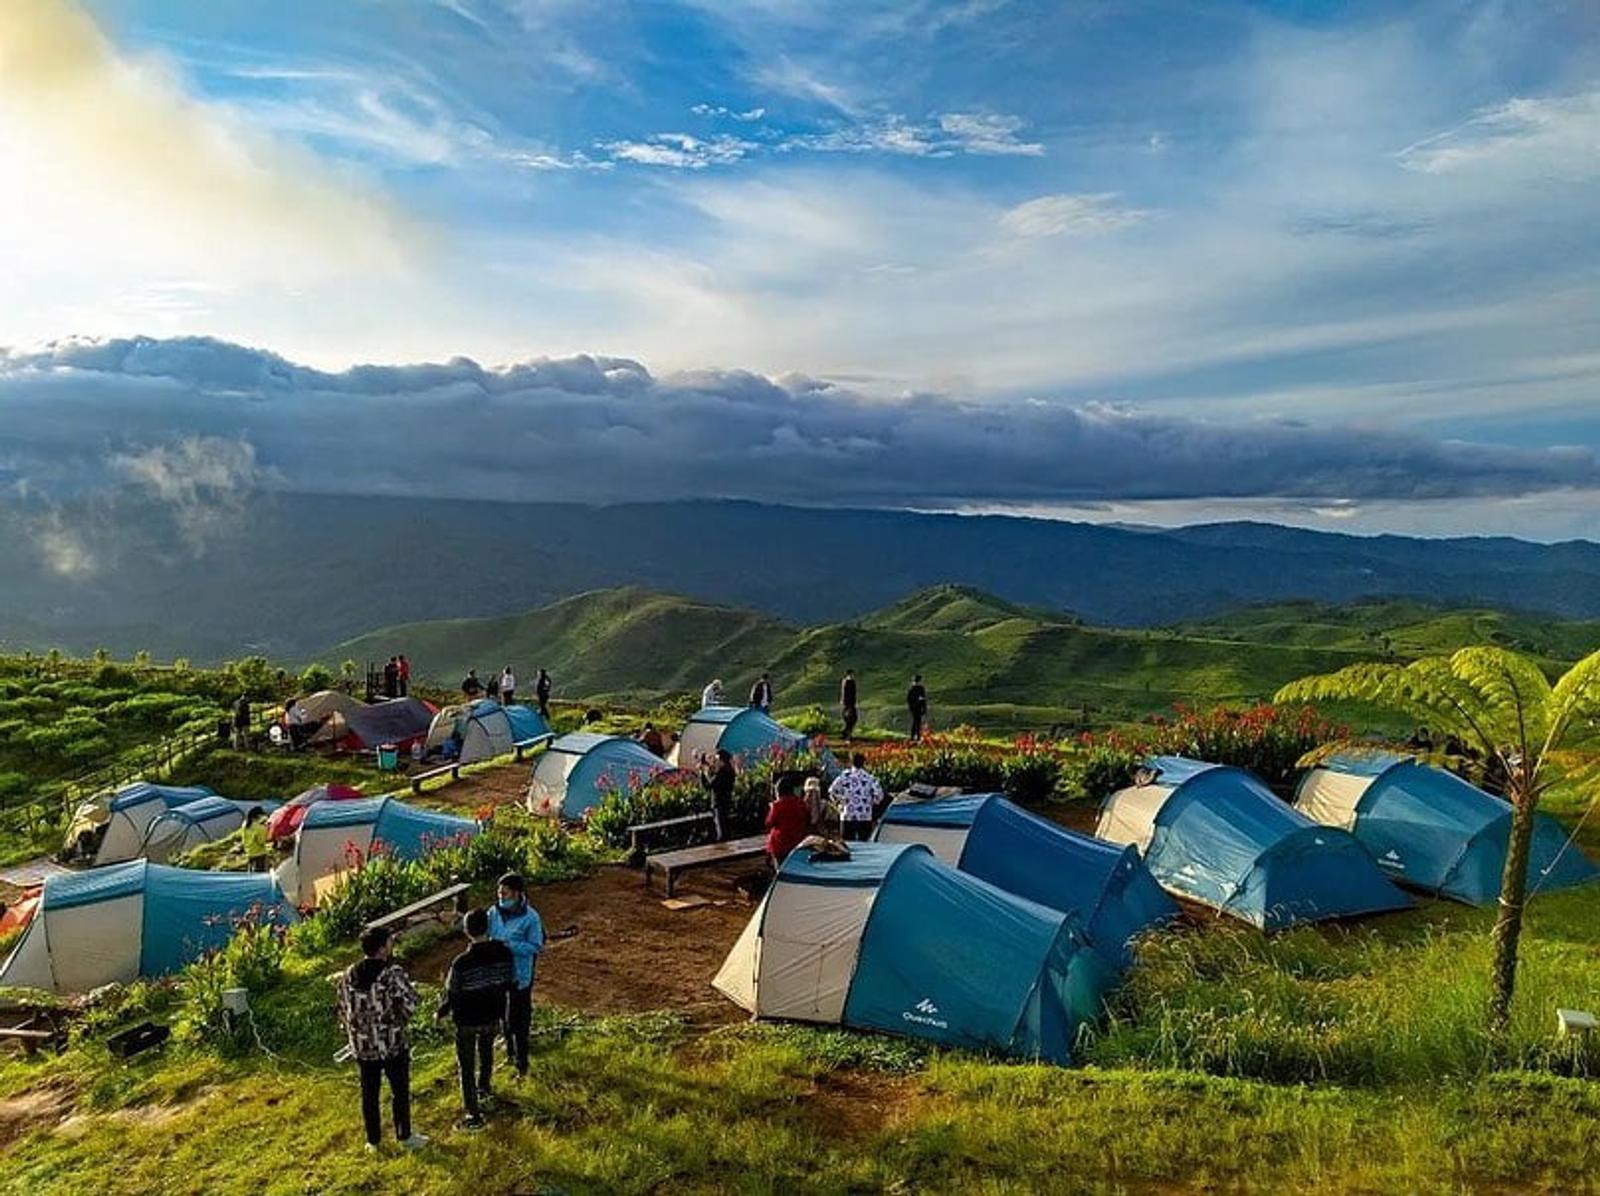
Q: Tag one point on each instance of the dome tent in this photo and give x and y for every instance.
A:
(485, 728)
(400, 721)
(1107, 887)
(332, 832)
(743, 731)
(1431, 830)
(891, 939)
(131, 811)
(1218, 836)
(577, 770)
(285, 820)
(115, 924)
(205, 820)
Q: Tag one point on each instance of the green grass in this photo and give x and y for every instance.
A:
(257, 776)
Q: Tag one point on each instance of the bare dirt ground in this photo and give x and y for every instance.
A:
(492, 787)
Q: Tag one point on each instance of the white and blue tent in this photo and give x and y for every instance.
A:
(336, 835)
(203, 820)
(116, 924)
(747, 734)
(132, 809)
(1218, 836)
(483, 730)
(1431, 830)
(1106, 886)
(890, 939)
(577, 770)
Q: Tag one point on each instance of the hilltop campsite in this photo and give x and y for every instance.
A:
(1054, 946)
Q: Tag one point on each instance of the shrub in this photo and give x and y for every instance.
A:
(252, 960)
(316, 677)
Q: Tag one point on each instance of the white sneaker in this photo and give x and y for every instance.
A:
(372, 1148)
(416, 1141)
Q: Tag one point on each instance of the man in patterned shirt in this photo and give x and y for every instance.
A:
(376, 1001)
(858, 794)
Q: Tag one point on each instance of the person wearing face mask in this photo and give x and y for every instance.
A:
(515, 923)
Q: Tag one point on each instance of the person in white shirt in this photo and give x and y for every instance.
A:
(858, 795)
(711, 695)
(508, 686)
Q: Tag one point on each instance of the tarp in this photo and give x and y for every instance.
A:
(746, 733)
(336, 836)
(572, 775)
(1105, 886)
(400, 721)
(203, 821)
(1220, 837)
(1432, 831)
(115, 924)
(894, 940)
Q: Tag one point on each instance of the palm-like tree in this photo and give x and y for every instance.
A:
(1504, 705)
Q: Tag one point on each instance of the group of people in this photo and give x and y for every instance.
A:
(799, 810)
(761, 695)
(502, 687)
(487, 991)
(397, 677)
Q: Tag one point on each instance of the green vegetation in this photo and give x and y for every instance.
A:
(988, 663)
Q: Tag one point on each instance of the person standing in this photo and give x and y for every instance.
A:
(403, 675)
(816, 806)
(653, 743)
(508, 686)
(376, 1001)
(847, 704)
(391, 678)
(718, 776)
(471, 687)
(858, 794)
(787, 820)
(541, 690)
(761, 694)
(917, 706)
(241, 723)
(711, 695)
(476, 992)
(515, 923)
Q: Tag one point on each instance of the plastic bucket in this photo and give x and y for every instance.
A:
(388, 757)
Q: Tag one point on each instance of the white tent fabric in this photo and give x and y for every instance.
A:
(100, 944)
(325, 702)
(548, 784)
(1330, 797)
(945, 842)
(1129, 815)
(172, 834)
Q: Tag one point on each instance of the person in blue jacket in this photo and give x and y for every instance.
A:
(516, 924)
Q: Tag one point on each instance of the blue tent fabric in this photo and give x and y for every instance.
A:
(171, 796)
(1106, 886)
(525, 723)
(407, 831)
(749, 732)
(1224, 839)
(947, 957)
(610, 764)
(206, 809)
(1436, 832)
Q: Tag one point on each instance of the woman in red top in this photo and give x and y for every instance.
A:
(788, 821)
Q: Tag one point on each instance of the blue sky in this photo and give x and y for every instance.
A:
(1375, 218)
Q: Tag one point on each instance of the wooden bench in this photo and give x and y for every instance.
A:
(641, 831)
(524, 746)
(42, 1028)
(420, 911)
(453, 770)
(672, 864)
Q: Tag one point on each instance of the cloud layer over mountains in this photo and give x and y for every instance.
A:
(188, 417)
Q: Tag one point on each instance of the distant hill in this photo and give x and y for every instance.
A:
(288, 574)
(986, 661)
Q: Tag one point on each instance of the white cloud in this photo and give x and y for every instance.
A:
(978, 133)
(679, 150)
(1077, 215)
(1537, 138)
(720, 111)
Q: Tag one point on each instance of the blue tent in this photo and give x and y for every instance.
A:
(891, 939)
(1218, 836)
(335, 835)
(1433, 831)
(1107, 887)
(204, 820)
(577, 770)
(115, 924)
(129, 813)
(743, 731)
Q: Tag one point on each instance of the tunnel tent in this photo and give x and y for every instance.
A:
(578, 769)
(1431, 830)
(891, 939)
(334, 836)
(744, 732)
(1106, 886)
(205, 820)
(118, 923)
(131, 809)
(1218, 836)
(485, 729)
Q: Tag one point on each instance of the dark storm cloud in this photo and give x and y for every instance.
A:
(604, 429)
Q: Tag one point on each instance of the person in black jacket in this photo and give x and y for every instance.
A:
(847, 704)
(718, 776)
(917, 706)
(475, 991)
(541, 691)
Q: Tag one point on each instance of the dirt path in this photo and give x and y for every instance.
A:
(631, 953)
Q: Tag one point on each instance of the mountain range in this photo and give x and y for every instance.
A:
(290, 574)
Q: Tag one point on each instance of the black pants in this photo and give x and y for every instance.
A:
(519, 1016)
(916, 724)
(398, 1069)
(856, 830)
(475, 1057)
(544, 708)
(850, 717)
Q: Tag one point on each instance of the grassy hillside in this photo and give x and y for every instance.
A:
(986, 661)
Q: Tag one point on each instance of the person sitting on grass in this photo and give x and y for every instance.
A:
(475, 993)
(788, 820)
(516, 924)
(376, 1001)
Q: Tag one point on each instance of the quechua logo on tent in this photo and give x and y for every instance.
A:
(926, 1013)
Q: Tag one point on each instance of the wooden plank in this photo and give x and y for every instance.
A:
(417, 908)
(671, 863)
(418, 778)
